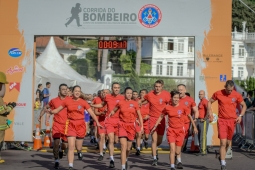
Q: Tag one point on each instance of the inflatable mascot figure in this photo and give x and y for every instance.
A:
(4, 111)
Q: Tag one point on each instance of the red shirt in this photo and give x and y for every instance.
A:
(145, 110)
(202, 108)
(157, 102)
(227, 103)
(176, 115)
(128, 110)
(111, 102)
(76, 108)
(189, 103)
(98, 100)
(61, 116)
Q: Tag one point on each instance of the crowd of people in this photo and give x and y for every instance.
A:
(131, 117)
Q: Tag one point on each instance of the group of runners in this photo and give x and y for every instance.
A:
(123, 118)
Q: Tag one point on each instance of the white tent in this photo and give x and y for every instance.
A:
(42, 76)
(51, 60)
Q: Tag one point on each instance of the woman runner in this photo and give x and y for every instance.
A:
(129, 110)
(175, 132)
(75, 125)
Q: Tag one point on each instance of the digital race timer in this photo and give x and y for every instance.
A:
(112, 44)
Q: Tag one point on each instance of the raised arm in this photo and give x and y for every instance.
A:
(92, 114)
(55, 111)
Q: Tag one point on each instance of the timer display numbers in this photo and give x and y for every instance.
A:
(112, 44)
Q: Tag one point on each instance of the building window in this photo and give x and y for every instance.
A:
(160, 44)
(191, 46)
(233, 50)
(170, 45)
(159, 68)
(240, 72)
(180, 69)
(241, 51)
(169, 69)
(180, 46)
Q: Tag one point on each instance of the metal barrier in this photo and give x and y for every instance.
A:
(245, 137)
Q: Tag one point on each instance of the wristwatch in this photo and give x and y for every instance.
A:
(240, 115)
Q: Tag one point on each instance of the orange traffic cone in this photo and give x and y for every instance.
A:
(193, 147)
(37, 140)
(47, 139)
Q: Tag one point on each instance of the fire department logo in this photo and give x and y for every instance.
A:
(186, 103)
(79, 107)
(149, 16)
(117, 101)
(179, 112)
(160, 101)
(233, 99)
(131, 105)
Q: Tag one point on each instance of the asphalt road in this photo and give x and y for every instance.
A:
(37, 160)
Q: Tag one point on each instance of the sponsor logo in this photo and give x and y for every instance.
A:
(149, 16)
(21, 104)
(15, 69)
(14, 85)
(15, 52)
(19, 123)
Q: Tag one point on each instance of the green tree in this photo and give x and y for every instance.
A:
(241, 13)
(72, 58)
(248, 84)
(84, 67)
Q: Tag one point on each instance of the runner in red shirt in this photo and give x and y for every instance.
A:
(190, 103)
(75, 127)
(128, 112)
(158, 99)
(59, 123)
(202, 123)
(111, 123)
(137, 144)
(100, 112)
(143, 137)
(227, 118)
(177, 114)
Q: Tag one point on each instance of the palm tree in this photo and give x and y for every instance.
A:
(104, 59)
(138, 41)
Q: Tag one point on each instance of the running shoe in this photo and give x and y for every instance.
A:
(146, 145)
(155, 162)
(60, 155)
(111, 164)
(172, 169)
(179, 165)
(138, 152)
(100, 158)
(80, 155)
(223, 167)
(70, 168)
(91, 140)
(56, 165)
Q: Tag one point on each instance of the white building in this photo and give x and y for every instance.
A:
(243, 54)
(168, 56)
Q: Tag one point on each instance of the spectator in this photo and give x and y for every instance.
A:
(39, 93)
(249, 99)
(37, 104)
(46, 94)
